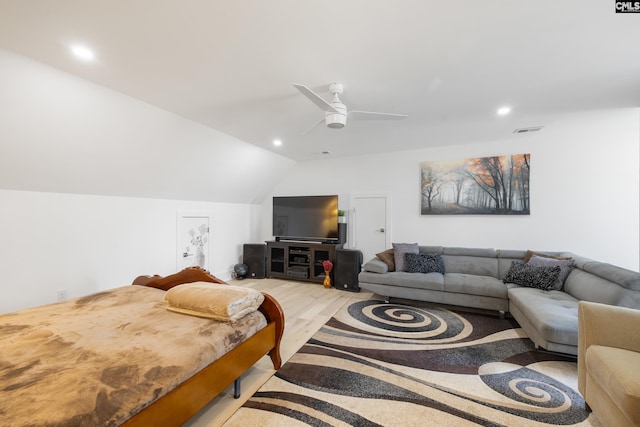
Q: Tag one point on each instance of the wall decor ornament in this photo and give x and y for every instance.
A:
(192, 240)
(497, 185)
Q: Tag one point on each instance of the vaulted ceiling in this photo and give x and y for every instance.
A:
(230, 65)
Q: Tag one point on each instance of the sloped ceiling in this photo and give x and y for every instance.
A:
(230, 66)
(61, 134)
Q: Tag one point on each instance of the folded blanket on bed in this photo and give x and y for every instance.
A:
(216, 301)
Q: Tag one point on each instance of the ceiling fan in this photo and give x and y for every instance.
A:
(335, 112)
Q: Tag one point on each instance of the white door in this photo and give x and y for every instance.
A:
(371, 232)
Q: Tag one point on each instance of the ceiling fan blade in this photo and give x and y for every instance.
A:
(370, 115)
(315, 98)
(313, 127)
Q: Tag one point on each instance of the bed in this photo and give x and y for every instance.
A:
(119, 357)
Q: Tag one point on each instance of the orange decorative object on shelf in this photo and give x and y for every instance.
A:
(327, 265)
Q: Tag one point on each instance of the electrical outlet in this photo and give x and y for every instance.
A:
(61, 295)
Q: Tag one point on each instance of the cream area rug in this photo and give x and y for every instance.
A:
(385, 364)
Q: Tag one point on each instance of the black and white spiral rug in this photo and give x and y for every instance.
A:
(379, 364)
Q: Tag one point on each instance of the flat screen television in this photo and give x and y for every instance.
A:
(306, 218)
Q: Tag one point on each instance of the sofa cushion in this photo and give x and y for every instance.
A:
(430, 281)
(474, 285)
(388, 258)
(518, 254)
(471, 265)
(376, 265)
(554, 314)
(566, 265)
(399, 249)
(424, 263)
(623, 277)
(430, 249)
(589, 287)
(474, 252)
(505, 258)
(610, 367)
(524, 274)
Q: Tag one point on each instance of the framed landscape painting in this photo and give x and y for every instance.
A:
(496, 185)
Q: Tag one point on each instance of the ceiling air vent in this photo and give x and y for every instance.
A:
(528, 130)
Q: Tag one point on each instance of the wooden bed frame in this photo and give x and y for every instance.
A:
(180, 404)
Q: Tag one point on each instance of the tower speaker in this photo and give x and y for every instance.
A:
(348, 265)
(254, 255)
(342, 233)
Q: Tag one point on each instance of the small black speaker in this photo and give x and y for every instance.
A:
(254, 255)
(342, 233)
(348, 265)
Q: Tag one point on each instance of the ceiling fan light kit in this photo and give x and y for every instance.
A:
(336, 120)
(336, 113)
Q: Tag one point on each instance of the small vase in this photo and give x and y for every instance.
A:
(199, 259)
(327, 280)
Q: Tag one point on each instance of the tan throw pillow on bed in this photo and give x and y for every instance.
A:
(212, 300)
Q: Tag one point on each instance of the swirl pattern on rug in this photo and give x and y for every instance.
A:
(377, 363)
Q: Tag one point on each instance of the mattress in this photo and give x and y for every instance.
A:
(99, 359)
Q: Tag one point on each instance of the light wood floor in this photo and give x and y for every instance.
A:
(307, 306)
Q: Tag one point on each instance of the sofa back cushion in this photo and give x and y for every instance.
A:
(604, 283)
(623, 277)
(478, 261)
(505, 258)
(431, 250)
(588, 287)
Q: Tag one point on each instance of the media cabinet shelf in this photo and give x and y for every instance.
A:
(299, 260)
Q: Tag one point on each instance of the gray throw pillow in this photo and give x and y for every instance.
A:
(424, 263)
(399, 249)
(565, 265)
(524, 274)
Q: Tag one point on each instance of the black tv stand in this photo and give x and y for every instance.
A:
(299, 260)
(304, 242)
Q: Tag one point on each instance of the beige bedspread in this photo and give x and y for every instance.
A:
(98, 360)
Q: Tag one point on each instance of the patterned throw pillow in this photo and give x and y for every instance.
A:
(399, 249)
(424, 263)
(566, 265)
(524, 274)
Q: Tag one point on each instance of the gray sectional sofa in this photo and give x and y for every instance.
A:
(474, 278)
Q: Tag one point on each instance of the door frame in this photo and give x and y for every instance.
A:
(353, 215)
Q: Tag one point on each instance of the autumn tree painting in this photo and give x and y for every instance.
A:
(496, 185)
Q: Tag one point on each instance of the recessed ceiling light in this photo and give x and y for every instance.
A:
(503, 111)
(277, 142)
(82, 52)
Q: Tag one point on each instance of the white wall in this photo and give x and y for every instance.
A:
(584, 189)
(59, 133)
(85, 244)
(62, 137)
